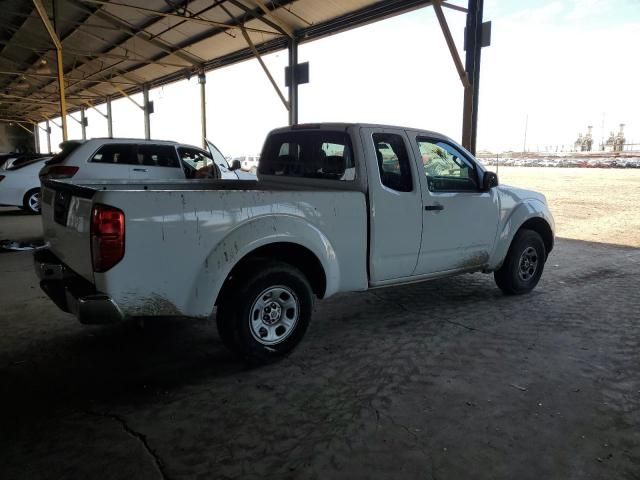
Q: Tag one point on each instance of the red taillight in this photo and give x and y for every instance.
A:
(61, 171)
(107, 237)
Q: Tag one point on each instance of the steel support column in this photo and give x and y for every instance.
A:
(109, 118)
(293, 85)
(202, 80)
(56, 41)
(36, 137)
(473, 47)
(48, 136)
(83, 123)
(147, 113)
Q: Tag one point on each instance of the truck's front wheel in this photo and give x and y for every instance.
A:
(523, 265)
(268, 313)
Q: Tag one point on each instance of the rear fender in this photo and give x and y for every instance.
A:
(246, 238)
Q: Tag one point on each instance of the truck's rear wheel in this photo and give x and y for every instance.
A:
(268, 312)
(522, 268)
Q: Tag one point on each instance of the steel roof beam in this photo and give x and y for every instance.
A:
(437, 6)
(44, 75)
(271, 19)
(268, 22)
(132, 32)
(196, 19)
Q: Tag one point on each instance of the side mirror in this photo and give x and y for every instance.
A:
(235, 165)
(489, 180)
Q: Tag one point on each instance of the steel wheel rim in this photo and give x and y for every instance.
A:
(528, 264)
(274, 315)
(34, 202)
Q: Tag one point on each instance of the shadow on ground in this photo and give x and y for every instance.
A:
(448, 379)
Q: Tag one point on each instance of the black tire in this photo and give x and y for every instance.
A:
(241, 313)
(28, 202)
(518, 274)
(224, 328)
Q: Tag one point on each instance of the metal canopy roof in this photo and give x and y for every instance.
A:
(113, 47)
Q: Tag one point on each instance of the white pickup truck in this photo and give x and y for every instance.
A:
(336, 208)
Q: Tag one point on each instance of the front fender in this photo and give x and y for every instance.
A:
(528, 209)
(246, 238)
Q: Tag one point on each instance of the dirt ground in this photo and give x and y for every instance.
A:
(442, 380)
(592, 204)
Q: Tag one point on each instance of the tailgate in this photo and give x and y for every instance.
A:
(66, 222)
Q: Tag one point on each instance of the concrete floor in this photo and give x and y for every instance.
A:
(443, 380)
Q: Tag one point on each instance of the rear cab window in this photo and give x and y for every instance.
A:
(320, 154)
(393, 161)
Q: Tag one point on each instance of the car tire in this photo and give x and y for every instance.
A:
(268, 312)
(31, 201)
(523, 265)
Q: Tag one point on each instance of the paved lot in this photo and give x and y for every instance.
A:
(445, 380)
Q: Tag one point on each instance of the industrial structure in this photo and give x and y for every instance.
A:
(616, 142)
(59, 58)
(584, 143)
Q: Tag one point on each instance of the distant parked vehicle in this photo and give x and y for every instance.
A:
(249, 163)
(135, 159)
(20, 185)
(8, 160)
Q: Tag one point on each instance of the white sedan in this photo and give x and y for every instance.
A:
(20, 185)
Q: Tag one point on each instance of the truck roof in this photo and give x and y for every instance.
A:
(346, 125)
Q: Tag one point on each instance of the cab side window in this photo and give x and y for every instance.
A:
(393, 161)
(197, 164)
(446, 169)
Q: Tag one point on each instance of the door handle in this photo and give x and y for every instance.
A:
(433, 207)
(139, 169)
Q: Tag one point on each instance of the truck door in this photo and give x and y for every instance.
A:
(395, 204)
(459, 220)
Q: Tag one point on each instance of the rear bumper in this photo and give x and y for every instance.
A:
(72, 293)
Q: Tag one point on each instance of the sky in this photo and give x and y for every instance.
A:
(553, 67)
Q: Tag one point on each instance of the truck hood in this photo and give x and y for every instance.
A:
(519, 195)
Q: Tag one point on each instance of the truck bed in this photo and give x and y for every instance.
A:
(189, 234)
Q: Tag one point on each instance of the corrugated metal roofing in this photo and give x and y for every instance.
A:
(115, 46)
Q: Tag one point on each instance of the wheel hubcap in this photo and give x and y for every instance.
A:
(34, 202)
(528, 264)
(274, 315)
